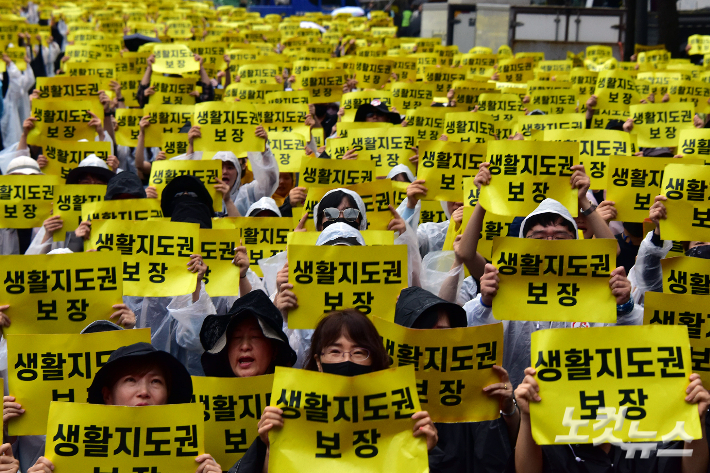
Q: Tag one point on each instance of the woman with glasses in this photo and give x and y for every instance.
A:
(340, 205)
(345, 343)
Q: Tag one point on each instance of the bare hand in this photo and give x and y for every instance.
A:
(124, 316)
(425, 426)
(397, 223)
(241, 260)
(84, 230)
(489, 284)
(607, 211)
(620, 286)
(297, 196)
(527, 392)
(483, 176)
(196, 265)
(151, 192)
(270, 418)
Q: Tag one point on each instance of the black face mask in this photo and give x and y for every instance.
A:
(329, 222)
(346, 368)
(702, 251)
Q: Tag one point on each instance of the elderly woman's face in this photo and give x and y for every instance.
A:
(250, 353)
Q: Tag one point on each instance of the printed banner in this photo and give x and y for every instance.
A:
(694, 143)
(63, 156)
(288, 148)
(68, 291)
(122, 209)
(386, 146)
(26, 200)
(63, 120)
(524, 173)
(174, 59)
(70, 88)
(634, 376)
(365, 425)
(164, 119)
(594, 143)
(147, 438)
(688, 211)
(451, 366)
(155, 254)
(217, 251)
(555, 280)
(227, 126)
(658, 125)
(571, 122)
(335, 277)
(46, 368)
(316, 172)
(444, 165)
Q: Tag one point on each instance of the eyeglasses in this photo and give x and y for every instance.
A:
(334, 354)
(348, 214)
(554, 236)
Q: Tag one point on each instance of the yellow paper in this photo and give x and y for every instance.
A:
(347, 444)
(263, 237)
(174, 144)
(208, 171)
(316, 172)
(688, 212)
(68, 201)
(372, 73)
(227, 127)
(502, 107)
(294, 97)
(172, 90)
(129, 126)
(694, 143)
(63, 156)
(633, 183)
(385, 146)
(122, 209)
(154, 253)
(232, 409)
(524, 173)
(657, 125)
(556, 280)
(606, 362)
(322, 85)
(177, 431)
(518, 69)
(46, 368)
(408, 96)
(63, 120)
(26, 200)
(527, 124)
(594, 143)
(469, 127)
(554, 101)
(335, 277)
(174, 59)
(685, 275)
(288, 148)
(217, 251)
(452, 366)
(616, 90)
(352, 100)
(688, 310)
(70, 88)
(444, 166)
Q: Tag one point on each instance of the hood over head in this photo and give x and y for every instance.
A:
(376, 106)
(340, 233)
(185, 199)
(401, 169)
(91, 164)
(125, 183)
(358, 201)
(265, 203)
(549, 206)
(232, 158)
(415, 303)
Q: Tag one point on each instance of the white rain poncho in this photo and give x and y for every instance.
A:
(16, 104)
(436, 270)
(20, 164)
(265, 203)
(646, 274)
(401, 169)
(49, 55)
(344, 233)
(516, 343)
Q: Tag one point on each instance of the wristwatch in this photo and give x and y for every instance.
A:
(591, 209)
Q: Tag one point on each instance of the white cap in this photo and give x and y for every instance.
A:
(23, 165)
(60, 251)
(93, 161)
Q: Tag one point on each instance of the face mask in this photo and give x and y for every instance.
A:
(346, 368)
(329, 222)
(702, 251)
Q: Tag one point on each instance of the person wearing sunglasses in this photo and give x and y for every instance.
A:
(340, 205)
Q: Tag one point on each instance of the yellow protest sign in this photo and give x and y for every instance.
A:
(685, 275)
(26, 200)
(405, 67)
(352, 100)
(174, 144)
(616, 90)
(443, 78)
(554, 101)
(691, 91)
(105, 69)
(633, 183)
(524, 173)
(293, 97)
(366, 278)
(688, 310)
(208, 171)
(68, 199)
(263, 237)
(63, 156)
(217, 251)
(528, 124)
(699, 44)
(280, 117)
(46, 368)
(70, 88)
(519, 69)
(368, 428)
(172, 90)
(68, 291)
(634, 376)
(694, 143)
(451, 367)
(377, 197)
(385, 146)
(122, 209)
(316, 172)
(227, 126)
(688, 213)
(288, 148)
(63, 119)
(657, 125)
(165, 437)
(372, 73)
(324, 85)
(493, 226)
(444, 165)
(502, 107)
(164, 119)
(154, 254)
(174, 59)
(407, 96)
(128, 120)
(477, 64)
(594, 143)
(232, 409)
(469, 127)
(557, 280)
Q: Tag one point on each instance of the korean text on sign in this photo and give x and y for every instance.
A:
(612, 384)
(687, 190)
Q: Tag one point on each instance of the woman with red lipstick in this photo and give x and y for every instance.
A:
(139, 375)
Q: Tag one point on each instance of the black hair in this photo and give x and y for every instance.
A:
(333, 200)
(548, 219)
(634, 229)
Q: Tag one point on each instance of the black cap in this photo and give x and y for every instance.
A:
(180, 390)
(125, 183)
(414, 301)
(376, 106)
(215, 328)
